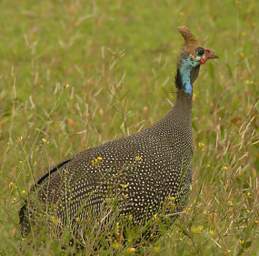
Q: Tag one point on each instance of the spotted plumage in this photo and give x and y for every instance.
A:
(140, 171)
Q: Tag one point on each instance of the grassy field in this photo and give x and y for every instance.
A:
(74, 74)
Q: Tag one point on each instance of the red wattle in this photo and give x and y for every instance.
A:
(203, 60)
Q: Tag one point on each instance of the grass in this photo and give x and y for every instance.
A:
(77, 73)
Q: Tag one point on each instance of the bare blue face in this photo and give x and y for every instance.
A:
(186, 66)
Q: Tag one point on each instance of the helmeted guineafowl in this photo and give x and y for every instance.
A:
(141, 170)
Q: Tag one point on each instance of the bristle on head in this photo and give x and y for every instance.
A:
(190, 40)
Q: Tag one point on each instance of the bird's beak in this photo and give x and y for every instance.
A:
(209, 54)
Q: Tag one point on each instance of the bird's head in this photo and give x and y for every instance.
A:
(192, 56)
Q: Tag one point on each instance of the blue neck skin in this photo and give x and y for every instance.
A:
(187, 64)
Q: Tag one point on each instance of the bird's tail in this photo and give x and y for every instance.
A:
(25, 225)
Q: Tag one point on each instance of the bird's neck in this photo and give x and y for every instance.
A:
(183, 101)
(181, 113)
(182, 110)
(179, 116)
(184, 87)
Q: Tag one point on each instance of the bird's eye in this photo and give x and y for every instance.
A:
(200, 51)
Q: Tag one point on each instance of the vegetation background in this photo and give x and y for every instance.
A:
(74, 74)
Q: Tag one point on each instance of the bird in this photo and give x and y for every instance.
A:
(140, 171)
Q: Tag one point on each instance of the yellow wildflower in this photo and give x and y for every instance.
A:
(116, 245)
(54, 220)
(201, 146)
(11, 185)
(230, 203)
(197, 229)
(44, 141)
(171, 198)
(131, 250)
(241, 241)
(155, 216)
(249, 82)
(138, 158)
(124, 185)
(211, 232)
(96, 161)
